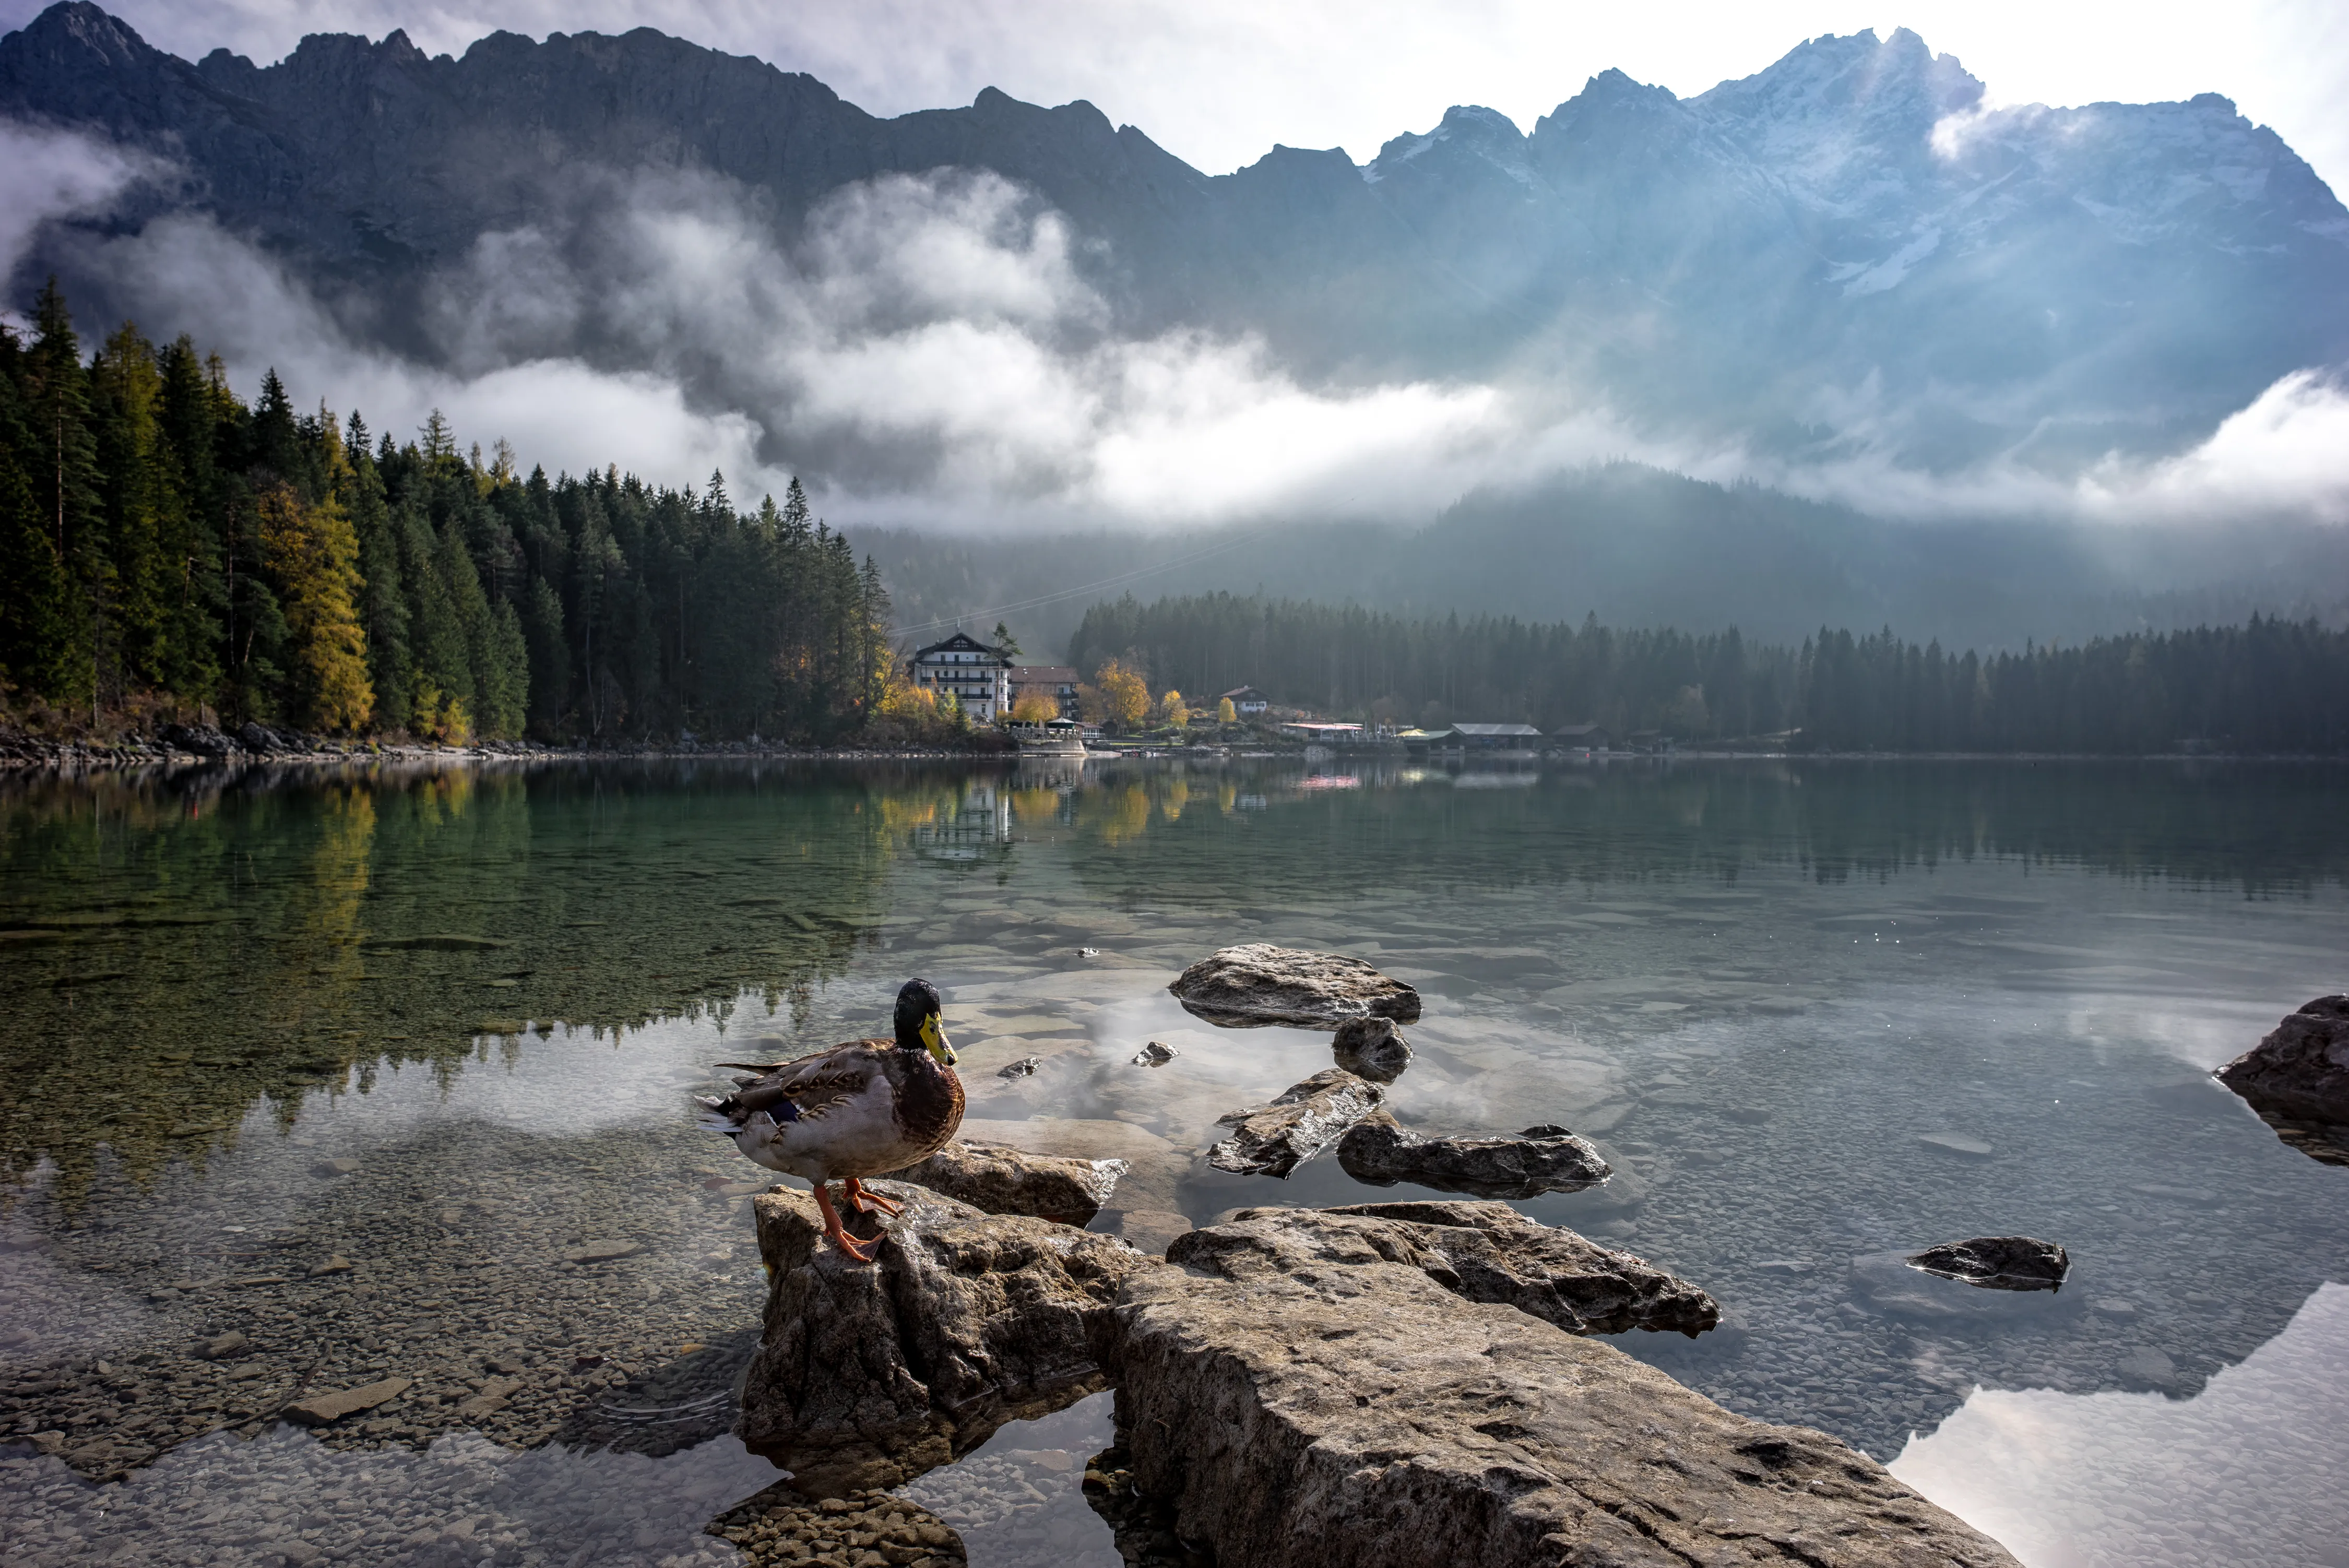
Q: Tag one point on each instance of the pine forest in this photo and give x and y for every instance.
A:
(2270, 687)
(168, 552)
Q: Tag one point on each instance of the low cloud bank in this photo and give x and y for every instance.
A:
(929, 352)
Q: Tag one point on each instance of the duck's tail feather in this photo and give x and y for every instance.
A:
(718, 1115)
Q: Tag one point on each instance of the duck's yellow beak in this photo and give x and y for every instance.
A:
(934, 1035)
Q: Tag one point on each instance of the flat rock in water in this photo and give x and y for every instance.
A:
(1998, 1263)
(1957, 1143)
(321, 1409)
(1287, 1408)
(1023, 1068)
(870, 1374)
(1002, 1180)
(1259, 984)
(1539, 1160)
(2148, 1368)
(2300, 1070)
(1157, 1053)
(1890, 1283)
(1275, 1139)
(1371, 1048)
(601, 1252)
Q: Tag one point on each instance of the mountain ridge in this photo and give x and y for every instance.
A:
(1841, 253)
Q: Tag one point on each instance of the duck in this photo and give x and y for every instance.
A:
(859, 1109)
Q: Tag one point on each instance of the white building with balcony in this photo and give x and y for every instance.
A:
(976, 675)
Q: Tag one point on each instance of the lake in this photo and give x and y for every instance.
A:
(314, 1080)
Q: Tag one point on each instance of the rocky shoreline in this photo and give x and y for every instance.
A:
(1355, 1388)
(252, 745)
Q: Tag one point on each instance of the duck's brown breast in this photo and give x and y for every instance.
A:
(929, 1107)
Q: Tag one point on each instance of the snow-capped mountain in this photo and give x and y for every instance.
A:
(1843, 252)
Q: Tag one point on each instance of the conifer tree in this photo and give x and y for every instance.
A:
(312, 555)
(34, 635)
(65, 477)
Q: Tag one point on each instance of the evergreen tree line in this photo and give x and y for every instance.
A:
(2269, 687)
(167, 551)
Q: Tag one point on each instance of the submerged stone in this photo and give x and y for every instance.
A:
(1371, 1048)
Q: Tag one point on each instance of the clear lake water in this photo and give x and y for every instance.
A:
(318, 1080)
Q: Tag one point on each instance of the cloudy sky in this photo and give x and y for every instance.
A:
(1219, 81)
(981, 388)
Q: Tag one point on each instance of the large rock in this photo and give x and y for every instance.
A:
(2302, 1069)
(1998, 1263)
(1371, 1048)
(868, 1374)
(1539, 1160)
(1357, 1414)
(1479, 1251)
(1274, 1139)
(1003, 1181)
(1260, 984)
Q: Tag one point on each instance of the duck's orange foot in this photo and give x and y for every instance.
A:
(865, 1201)
(840, 1238)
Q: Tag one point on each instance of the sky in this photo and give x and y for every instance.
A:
(930, 355)
(1218, 82)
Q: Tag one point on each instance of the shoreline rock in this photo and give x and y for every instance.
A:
(868, 1374)
(2300, 1071)
(1540, 1159)
(1004, 1180)
(1275, 1139)
(1256, 983)
(1281, 1410)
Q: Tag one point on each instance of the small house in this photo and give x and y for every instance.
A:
(1245, 700)
(1580, 739)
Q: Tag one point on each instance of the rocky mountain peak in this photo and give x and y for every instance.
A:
(1841, 229)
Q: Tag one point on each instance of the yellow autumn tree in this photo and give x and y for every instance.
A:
(1125, 695)
(311, 553)
(1225, 713)
(1034, 707)
(1173, 710)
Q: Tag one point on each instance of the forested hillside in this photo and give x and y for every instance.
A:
(2267, 687)
(166, 550)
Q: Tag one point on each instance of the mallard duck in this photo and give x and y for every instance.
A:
(858, 1110)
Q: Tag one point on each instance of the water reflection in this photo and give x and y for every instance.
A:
(2248, 1470)
(383, 1072)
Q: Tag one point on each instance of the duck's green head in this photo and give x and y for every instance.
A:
(919, 1026)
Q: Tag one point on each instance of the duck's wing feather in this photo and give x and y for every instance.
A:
(815, 1083)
